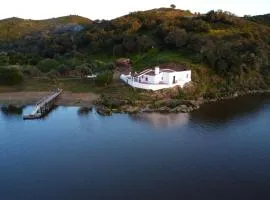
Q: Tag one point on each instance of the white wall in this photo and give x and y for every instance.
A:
(158, 78)
(181, 79)
(166, 77)
(150, 79)
(184, 76)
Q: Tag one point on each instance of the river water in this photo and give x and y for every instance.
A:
(221, 151)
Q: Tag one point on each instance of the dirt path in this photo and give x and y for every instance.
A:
(66, 98)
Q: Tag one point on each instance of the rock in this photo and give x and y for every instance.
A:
(200, 99)
(117, 111)
(176, 110)
(104, 111)
(164, 110)
(113, 103)
(183, 106)
(132, 110)
(147, 110)
(85, 110)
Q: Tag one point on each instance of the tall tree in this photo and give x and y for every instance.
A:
(173, 6)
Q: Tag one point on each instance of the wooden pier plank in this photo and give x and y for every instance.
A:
(44, 105)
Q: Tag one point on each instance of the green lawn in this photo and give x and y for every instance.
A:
(47, 85)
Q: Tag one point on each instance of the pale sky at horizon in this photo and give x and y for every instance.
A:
(109, 9)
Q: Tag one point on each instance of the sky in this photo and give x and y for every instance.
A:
(109, 9)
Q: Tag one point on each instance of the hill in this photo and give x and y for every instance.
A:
(262, 19)
(14, 28)
(226, 53)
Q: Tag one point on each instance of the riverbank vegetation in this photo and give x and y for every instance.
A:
(226, 53)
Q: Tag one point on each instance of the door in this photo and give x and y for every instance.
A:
(174, 79)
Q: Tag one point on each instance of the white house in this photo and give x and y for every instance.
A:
(157, 79)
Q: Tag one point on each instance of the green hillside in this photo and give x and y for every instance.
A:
(262, 19)
(14, 28)
(226, 53)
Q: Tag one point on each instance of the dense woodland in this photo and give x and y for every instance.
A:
(226, 53)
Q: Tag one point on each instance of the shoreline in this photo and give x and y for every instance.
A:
(65, 99)
(166, 106)
(109, 106)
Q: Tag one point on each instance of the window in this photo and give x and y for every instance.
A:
(187, 75)
(146, 78)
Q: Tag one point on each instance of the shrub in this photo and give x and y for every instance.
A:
(47, 65)
(10, 76)
(53, 74)
(196, 25)
(84, 69)
(4, 59)
(73, 62)
(104, 78)
(31, 71)
(220, 16)
(177, 38)
(63, 69)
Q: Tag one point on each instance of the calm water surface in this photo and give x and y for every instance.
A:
(221, 151)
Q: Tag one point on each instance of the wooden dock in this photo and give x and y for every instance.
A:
(44, 106)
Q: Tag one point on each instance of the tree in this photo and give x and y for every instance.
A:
(53, 74)
(130, 43)
(104, 78)
(10, 76)
(4, 59)
(177, 38)
(84, 69)
(63, 69)
(47, 65)
(196, 25)
(173, 6)
(30, 71)
(145, 43)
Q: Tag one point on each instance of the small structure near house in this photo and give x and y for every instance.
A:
(122, 66)
(157, 78)
(92, 76)
(123, 62)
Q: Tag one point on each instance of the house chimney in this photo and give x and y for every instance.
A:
(157, 70)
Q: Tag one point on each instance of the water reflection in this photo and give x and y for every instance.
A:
(52, 110)
(159, 120)
(216, 113)
(12, 110)
(224, 111)
(42, 159)
(83, 111)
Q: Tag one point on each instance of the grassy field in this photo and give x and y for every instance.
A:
(154, 57)
(47, 85)
(116, 89)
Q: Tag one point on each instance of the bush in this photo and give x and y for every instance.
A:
(10, 76)
(31, 71)
(84, 69)
(53, 74)
(4, 59)
(47, 65)
(196, 25)
(104, 78)
(220, 16)
(73, 62)
(177, 38)
(63, 69)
